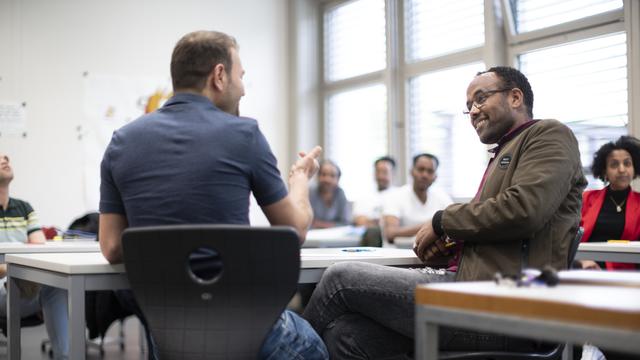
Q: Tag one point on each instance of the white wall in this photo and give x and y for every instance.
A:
(45, 46)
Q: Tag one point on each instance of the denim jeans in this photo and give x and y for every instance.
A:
(53, 302)
(366, 311)
(291, 336)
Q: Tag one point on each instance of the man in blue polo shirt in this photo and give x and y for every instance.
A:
(20, 224)
(196, 161)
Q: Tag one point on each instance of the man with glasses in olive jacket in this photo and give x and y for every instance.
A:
(525, 214)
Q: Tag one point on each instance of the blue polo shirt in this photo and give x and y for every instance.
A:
(188, 162)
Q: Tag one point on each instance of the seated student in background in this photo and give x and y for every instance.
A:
(20, 224)
(407, 208)
(613, 212)
(368, 211)
(330, 206)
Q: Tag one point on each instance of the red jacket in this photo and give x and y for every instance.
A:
(592, 203)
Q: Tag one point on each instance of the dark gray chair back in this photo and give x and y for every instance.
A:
(573, 249)
(255, 275)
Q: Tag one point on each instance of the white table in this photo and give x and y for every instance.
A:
(603, 251)
(77, 273)
(607, 316)
(47, 247)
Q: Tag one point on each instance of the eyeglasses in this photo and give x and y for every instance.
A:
(481, 98)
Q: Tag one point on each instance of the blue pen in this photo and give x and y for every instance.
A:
(356, 250)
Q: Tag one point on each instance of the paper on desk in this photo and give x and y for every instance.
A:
(605, 278)
(340, 232)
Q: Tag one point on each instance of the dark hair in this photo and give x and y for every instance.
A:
(427, 155)
(196, 54)
(628, 143)
(327, 161)
(513, 78)
(388, 159)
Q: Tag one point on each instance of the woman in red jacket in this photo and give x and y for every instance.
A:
(613, 212)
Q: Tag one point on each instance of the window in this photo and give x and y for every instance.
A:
(356, 121)
(357, 136)
(396, 73)
(436, 31)
(537, 14)
(439, 27)
(436, 102)
(355, 39)
(590, 79)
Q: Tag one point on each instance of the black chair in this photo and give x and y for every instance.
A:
(31, 320)
(101, 306)
(211, 291)
(547, 351)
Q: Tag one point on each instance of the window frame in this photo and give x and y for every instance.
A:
(502, 46)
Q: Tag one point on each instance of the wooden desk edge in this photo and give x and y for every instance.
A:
(536, 309)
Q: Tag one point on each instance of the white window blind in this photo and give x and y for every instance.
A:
(439, 27)
(354, 39)
(538, 14)
(583, 84)
(357, 136)
(437, 126)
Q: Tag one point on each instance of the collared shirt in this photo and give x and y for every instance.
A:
(17, 221)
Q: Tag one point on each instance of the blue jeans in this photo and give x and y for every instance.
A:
(366, 311)
(291, 337)
(53, 302)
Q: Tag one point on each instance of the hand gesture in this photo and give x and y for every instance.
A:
(307, 163)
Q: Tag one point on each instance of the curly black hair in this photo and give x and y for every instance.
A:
(628, 143)
(513, 78)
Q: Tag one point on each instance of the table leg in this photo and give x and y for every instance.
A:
(426, 337)
(13, 318)
(430, 341)
(77, 342)
(567, 353)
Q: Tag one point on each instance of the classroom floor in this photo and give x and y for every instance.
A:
(32, 338)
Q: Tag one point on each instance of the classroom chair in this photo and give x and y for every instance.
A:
(211, 291)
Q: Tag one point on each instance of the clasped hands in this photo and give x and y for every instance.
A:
(430, 247)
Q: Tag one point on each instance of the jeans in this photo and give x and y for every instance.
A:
(291, 337)
(53, 302)
(366, 311)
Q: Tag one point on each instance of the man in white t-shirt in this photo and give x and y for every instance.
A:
(368, 211)
(407, 209)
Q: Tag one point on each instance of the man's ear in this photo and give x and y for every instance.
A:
(218, 77)
(517, 98)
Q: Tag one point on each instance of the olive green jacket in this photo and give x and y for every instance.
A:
(532, 195)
